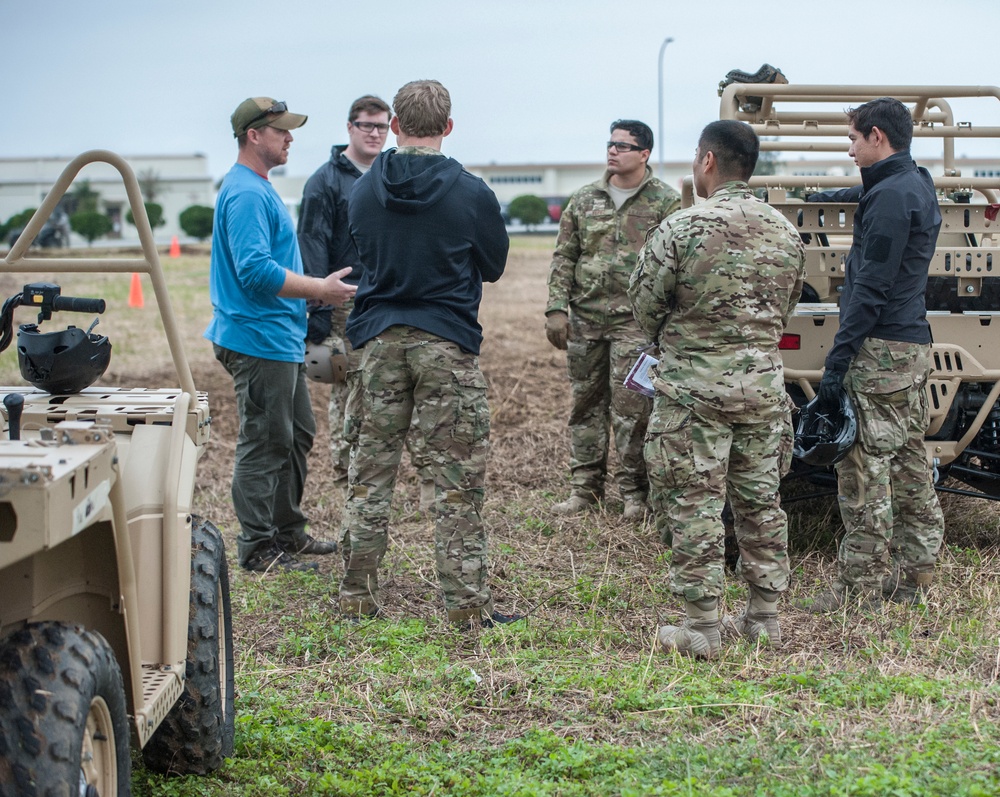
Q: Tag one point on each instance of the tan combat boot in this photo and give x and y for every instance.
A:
(841, 596)
(428, 496)
(906, 585)
(574, 505)
(636, 508)
(699, 635)
(759, 621)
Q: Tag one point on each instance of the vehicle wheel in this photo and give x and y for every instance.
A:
(197, 735)
(63, 725)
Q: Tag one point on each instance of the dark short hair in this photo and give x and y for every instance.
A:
(887, 114)
(735, 146)
(368, 104)
(640, 131)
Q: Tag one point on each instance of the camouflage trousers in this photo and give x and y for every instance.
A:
(406, 372)
(887, 498)
(602, 404)
(344, 406)
(696, 460)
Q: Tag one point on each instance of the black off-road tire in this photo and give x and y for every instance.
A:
(63, 724)
(197, 735)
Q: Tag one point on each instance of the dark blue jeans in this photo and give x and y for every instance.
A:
(277, 428)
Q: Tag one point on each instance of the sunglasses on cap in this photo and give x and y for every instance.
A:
(278, 107)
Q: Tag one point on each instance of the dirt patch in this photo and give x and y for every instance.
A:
(561, 568)
(529, 402)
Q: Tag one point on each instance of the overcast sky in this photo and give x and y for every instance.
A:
(532, 81)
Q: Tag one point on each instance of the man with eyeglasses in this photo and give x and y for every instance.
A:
(590, 317)
(326, 246)
(258, 328)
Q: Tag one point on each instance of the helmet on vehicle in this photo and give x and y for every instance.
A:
(62, 362)
(325, 362)
(824, 438)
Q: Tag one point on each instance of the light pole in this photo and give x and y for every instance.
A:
(659, 76)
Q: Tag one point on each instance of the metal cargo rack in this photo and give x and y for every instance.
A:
(963, 439)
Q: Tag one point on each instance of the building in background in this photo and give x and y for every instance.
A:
(173, 181)
(180, 181)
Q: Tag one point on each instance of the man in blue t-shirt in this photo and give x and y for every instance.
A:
(258, 332)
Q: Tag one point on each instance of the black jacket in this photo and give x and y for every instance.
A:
(428, 233)
(896, 226)
(324, 239)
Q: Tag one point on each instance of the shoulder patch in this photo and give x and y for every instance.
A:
(878, 248)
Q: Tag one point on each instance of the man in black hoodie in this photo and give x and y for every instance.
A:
(326, 245)
(428, 233)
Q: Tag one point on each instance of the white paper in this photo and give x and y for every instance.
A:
(639, 378)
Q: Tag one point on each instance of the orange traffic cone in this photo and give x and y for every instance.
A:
(135, 292)
(175, 247)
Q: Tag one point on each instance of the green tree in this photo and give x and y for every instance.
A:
(197, 220)
(153, 211)
(149, 184)
(82, 199)
(530, 209)
(91, 224)
(16, 223)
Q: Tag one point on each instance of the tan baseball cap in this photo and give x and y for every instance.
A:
(257, 112)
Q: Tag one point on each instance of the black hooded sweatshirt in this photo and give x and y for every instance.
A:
(428, 234)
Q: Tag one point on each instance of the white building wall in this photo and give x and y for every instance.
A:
(183, 180)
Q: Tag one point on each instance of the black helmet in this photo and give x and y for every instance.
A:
(824, 438)
(62, 362)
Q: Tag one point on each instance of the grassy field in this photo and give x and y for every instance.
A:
(576, 700)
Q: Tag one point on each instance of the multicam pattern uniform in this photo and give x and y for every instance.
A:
(887, 497)
(715, 286)
(405, 368)
(588, 279)
(344, 406)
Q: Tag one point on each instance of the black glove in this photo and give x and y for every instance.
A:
(320, 324)
(829, 388)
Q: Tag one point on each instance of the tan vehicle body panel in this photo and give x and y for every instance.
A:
(96, 496)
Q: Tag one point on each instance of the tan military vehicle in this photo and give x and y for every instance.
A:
(114, 597)
(963, 293)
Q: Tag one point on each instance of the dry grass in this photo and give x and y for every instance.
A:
(583, 669)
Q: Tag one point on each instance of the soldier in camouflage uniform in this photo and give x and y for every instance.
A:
(881, 355)
(589, 315)
(714, 287)
(428, 234)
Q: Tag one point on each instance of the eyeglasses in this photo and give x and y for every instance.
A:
(624, 146)
(278, 107)
(367, 127)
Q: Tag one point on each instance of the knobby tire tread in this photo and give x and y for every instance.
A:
(49, 674)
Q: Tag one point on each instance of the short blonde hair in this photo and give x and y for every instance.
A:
(422, 108)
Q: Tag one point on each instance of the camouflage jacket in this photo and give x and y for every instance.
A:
(714, 288)
(597, 247)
